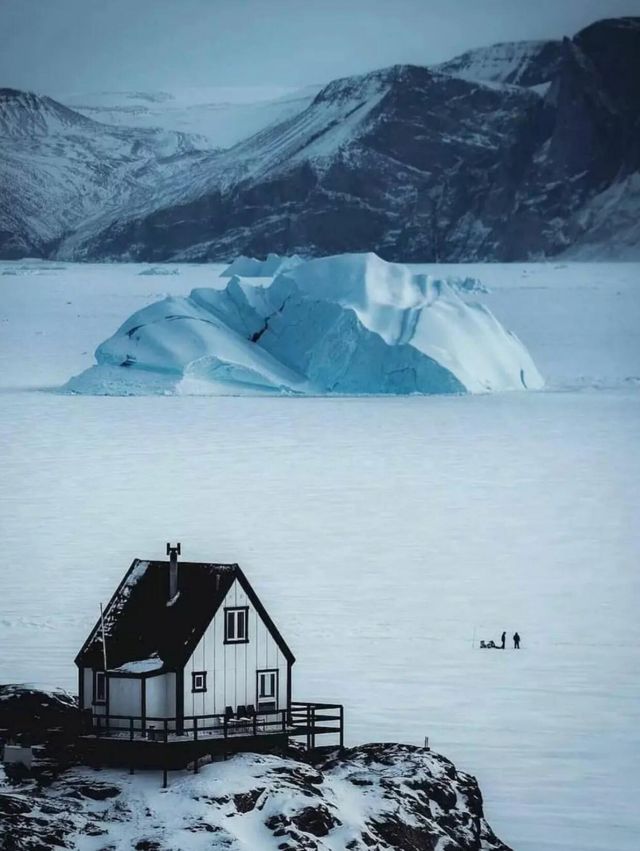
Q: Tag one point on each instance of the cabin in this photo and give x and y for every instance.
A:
(186, 652)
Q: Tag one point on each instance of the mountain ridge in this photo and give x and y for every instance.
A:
(408, 161)
(523, 63)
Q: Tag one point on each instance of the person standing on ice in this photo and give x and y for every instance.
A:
(503, 640)
(516, 641)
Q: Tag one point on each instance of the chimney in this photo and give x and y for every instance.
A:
(173, 553)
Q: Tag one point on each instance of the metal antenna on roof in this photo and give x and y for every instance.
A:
(104, 640)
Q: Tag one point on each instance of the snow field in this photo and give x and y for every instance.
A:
(380, 533)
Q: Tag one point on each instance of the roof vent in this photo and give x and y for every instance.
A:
(173, 553)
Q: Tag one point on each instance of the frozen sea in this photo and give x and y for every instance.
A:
(385, 536)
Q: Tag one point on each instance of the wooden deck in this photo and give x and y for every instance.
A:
(172, 743)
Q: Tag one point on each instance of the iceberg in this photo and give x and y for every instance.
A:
(350, 324)
(251, 267)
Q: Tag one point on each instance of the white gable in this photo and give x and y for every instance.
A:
(231, 669)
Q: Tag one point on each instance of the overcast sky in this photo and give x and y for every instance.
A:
(89, 45)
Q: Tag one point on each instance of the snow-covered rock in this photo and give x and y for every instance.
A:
(350, 324)
(467, 284)
(29, 709)
(252, 267)
(390, 797)
(158, 270)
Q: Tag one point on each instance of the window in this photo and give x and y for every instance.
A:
(236, 625)
(198, 681)
(99, 687)
(268, 685)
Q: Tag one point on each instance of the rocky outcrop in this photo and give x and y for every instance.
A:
(389, 797)
(27, 711)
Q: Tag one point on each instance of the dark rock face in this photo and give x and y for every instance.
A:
(388, 797)
(48, 720)
(414, 164)
(29, 713)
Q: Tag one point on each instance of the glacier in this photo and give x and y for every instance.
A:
(350, 324)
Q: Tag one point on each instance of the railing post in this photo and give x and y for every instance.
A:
(131, 768)
(98, 726)
(165, 754)
(308, 726)
(225, 726)
(284, 721)
(341, 726)
(255, 724)
(195, 739)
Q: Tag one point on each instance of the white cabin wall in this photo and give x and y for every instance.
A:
(125, 696)
(231, 668)
(124, 699)
(87, 689)
(161, 696)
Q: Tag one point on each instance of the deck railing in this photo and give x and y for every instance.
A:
(190, 726)
(203, 735)
(301, 719)
(313, 719)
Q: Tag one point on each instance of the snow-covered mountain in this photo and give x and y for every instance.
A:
(58, 168)
(220, 116)
(510, 152)
(518, 63)
(364, 166)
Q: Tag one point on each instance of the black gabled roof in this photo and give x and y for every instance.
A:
(140, 625)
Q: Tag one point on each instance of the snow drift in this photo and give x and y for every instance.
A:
(349, 324)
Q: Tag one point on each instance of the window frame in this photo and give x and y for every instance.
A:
(228, 610)
(275, 672)
(97, 700)
(196, 689)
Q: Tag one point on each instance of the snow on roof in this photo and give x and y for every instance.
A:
(141, 666)
(144, 635)
(139, 625)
